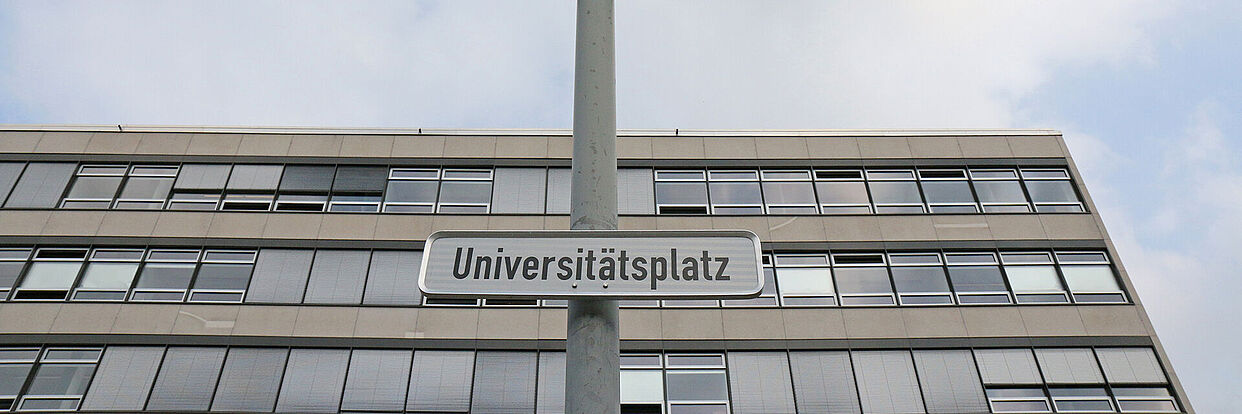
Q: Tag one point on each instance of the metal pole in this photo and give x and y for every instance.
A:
(593, 346)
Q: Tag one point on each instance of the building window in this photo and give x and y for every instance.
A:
(642, 384)
(735, 192)
(60, 380)
(165, 275)
(252, 187)
(681, 192)
(199, 186)
(920, 279)
(51, 274)
(805, 280)
(147, 187)
(109, 274)
(948, 191)
(842, 192)
(1081, 400)
(412, 190)
(1051, 190)
(862, 279)
(15, 366)
(94, 186)
(1145, 400)
(1018, 400)
(223, 276)
(977, 278)
(999, 191)
(1033, 278)
(696, 383)
(305, 188)
(465, 191)
(1090, 277)
(789, 192)
(358, 189)
(895, 192)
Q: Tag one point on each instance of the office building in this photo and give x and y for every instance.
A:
(196, 269)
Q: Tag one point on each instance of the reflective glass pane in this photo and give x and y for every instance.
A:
(51, 275)
(734, 193)
(94, 187)
(1051, 191)
(9, 272)
(642, 386)
(223, 276)
(166, 276)
(789, 193)
(410, 191)
(452, 192)
(147, 188)
(862, 280)
(61, 379)
(695, 360)
(1033, 279)
(697, 386)
(842, 192)
(920, 280)
(1000, 192)
(895, 192)
(698, 409)
(12, 376)
(681, 193)
(805, 281)
(1090, 278)
(948, 192)
(976, 279)
(103, 275)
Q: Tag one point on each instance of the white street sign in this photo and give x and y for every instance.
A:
(598, 264)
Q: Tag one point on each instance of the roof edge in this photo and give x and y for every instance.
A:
(524, 132)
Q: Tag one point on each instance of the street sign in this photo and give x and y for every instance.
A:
(595, 264)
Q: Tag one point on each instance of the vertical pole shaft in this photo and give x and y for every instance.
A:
(593, 346)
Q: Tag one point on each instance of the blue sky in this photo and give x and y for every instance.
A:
(1147, 93)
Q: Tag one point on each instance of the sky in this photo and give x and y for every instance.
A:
(1147, 94)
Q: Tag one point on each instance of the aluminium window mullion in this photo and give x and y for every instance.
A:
(198, 267)
(4, 198)
(1013, 295)
(21, 275)
(918, 183)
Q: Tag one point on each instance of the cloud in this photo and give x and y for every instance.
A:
(713, 64)
(1177, 233)
(393, 63)
(860, 64)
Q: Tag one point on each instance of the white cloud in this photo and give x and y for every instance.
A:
(700, 63)
(860, 64)
(291, 63)
(1178, 238)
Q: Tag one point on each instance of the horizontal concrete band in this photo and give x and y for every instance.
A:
(793, 163)
(559, 345)
(893, 144)
(318, 130)
(241, 243)
(718, 324)
(345, 226)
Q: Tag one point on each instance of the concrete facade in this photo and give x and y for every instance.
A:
(663, 329)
